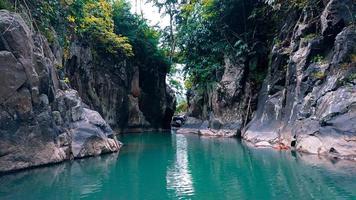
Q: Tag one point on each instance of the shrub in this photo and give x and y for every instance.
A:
(97, 23)
(319, 75)
(319, 59)
(310, 37)
(182, 107)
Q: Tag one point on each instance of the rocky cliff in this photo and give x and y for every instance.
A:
(307, 100)
(60, 102)
(42, 120)
(132, 97)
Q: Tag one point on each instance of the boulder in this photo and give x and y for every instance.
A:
(92, 136)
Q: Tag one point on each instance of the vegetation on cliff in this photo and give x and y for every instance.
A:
(107, 26)
(209, 30)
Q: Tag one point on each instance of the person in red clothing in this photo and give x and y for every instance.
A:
(281, 146)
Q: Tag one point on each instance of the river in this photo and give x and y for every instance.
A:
(169, 166)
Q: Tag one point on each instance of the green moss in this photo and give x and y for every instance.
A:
(319, 75)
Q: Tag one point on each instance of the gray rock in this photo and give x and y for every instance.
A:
(136, 117)
(90, 136)
(345, 45)
(337, 15)
(130, 97)
(36, 117)
(57, 118)
(44, 100)
(215, 124)
(77, 112)
(63, 85)
(12, 75)
(314, 111)
(20, 104)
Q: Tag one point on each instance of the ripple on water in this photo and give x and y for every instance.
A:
(179, 177)
(169, 166)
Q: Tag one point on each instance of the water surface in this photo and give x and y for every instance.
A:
(168, 166)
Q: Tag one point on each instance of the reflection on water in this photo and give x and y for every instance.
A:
(74, 180)
(165, 166)
(179, 178)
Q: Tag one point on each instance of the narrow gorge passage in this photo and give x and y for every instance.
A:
(176, 99)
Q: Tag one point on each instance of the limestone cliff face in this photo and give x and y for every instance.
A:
(42, 121)
(308, 97)
(310, 103)
(131, 97)
(224, 109)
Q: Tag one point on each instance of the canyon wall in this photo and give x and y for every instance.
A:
(59, 103)
(42, 120)
(131, 97)
(307, 99)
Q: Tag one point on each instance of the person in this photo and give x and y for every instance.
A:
(281, 146)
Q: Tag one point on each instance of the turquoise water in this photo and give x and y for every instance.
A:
(169, 166)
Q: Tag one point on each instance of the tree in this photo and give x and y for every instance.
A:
(170, 8)
(145, 39)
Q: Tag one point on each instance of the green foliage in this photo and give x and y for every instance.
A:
(5, 4)
(182, 107)
(46, 16)
(175, 84)
(168, 8)
(188, 83)
(299, 3)
(201, 42)
(310, 37)
(144, 39)
(66, 80)
(93, 20)
(319, 59)
(210, 30)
